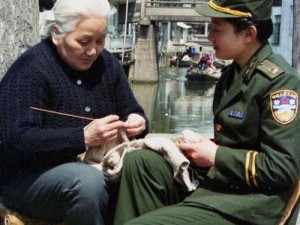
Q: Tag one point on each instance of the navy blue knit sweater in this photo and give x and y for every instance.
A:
(39, 78)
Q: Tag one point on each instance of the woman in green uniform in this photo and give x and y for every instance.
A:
(253, 162)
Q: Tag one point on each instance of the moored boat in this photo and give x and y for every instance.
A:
(195, 74)
(177, 62)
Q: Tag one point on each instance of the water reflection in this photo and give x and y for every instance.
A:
(146, 94)
(174, 104)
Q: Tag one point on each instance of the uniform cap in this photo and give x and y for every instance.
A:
(254, 9)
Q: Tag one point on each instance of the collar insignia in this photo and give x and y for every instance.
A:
(284, 105)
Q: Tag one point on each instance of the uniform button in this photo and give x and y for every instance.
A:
(196, 183)
(79, 82)
(87, 109)
(218, 127)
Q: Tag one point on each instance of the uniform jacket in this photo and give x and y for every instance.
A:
(257, 126)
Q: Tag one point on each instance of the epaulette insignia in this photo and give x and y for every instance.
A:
(284, 105)
(269, 68)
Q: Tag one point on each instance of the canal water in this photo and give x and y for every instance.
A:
(174, 103)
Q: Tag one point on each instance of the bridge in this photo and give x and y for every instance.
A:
(183, 11)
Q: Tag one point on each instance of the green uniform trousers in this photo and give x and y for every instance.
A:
(147, 188)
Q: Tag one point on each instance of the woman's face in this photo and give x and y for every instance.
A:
(226, 42)
(80, 48)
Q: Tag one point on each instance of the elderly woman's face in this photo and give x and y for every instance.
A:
(80, 48)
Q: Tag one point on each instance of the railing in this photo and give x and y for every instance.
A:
(114, 43)
(172, 4)
(181, 10)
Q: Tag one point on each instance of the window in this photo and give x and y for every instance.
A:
(275, 38)
(277, 3)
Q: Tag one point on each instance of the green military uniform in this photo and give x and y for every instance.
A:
(257, 162)
(257, 169)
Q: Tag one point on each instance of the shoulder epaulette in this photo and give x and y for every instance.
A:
(269, 68)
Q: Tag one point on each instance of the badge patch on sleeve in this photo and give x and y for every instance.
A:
(284, 105)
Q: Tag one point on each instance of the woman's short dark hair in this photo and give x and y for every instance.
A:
(264, 27)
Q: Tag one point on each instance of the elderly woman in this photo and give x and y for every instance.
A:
(67, 72)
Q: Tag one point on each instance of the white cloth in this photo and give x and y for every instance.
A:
(112, 162)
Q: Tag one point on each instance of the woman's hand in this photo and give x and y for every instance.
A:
(134, 125)
(201, 153)
(99, 131)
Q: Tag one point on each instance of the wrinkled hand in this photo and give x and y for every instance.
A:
(134, 125)
(99, 131)
(201, 153)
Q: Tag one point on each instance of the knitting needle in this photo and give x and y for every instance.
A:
(62, 114)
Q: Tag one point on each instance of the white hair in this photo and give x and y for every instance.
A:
(65, 14)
